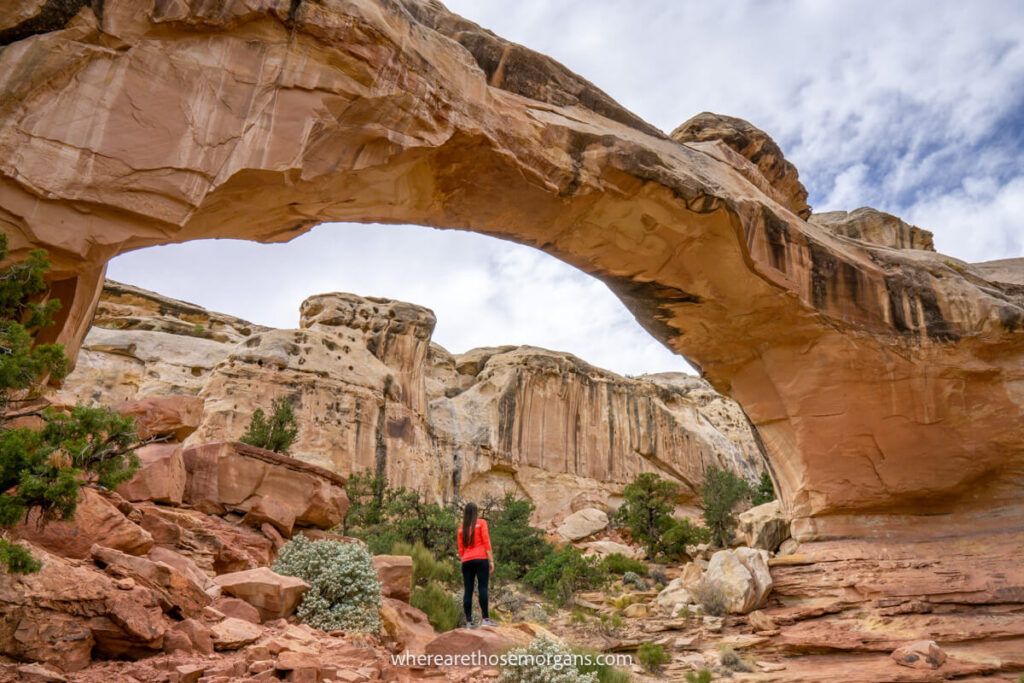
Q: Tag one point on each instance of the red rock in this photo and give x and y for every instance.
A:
(112, 641)
(406, 625)
(240, 609)
(395, 575)
(224, 476)
(161, 476)
(198, 633)
(176, 641)
(39, 673)
(96, 521)
(183, 563)
(176, 415)
(273, 535)
(214, 545)
(138, 614)
(232, 634)
(189, 673)
(923, 654)
(273, 594)
(488, 640)
(175, 588)
(270, 510)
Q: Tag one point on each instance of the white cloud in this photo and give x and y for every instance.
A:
(916, 108)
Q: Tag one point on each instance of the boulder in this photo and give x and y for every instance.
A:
(161, 476)
(96, 522)
(176, 416)
(238, 608)
(198, 633)
(487, 640)
(612, 548)
(760, 621)
(269, 510)
(583, 523)
(395, 575)
(676, 593)
(175, 589)
(39, 673)
(235, 476)
(742, 576)
(764, 526)
(232, 634)
(184, 564)
(274, 595)
(923, 654)
(408, 626)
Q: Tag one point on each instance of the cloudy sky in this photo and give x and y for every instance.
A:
(913, 107)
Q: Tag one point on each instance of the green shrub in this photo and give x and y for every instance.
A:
(603, 673)
(544, 661)
(382, 516)
(702, 676)
(732, 661)
(517, 546)
(659, 577)
(275, 434)
(565, 572)
(635, 580)
(647, 509)
(617, 563)
(710, 597)
(679, 534)
(441, 607)
(42, 470)
(722, 492)
(652, 656)
(765, 491)
(426, 567)
(344, 592)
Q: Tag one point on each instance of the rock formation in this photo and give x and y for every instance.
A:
(371, 391)
(885, 383)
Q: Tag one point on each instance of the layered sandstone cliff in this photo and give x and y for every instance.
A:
(372, 391)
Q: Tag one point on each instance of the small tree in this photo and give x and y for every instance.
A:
(682, 533)
(647, 510)
(765, 491)
(275, 434)
(42, 469)
(517, 545)
(722, 492)
(365, 492)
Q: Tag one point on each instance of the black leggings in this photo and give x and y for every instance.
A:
(480, 570)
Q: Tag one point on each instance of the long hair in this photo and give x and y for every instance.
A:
(468, 524)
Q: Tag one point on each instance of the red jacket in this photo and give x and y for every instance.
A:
(481, 543)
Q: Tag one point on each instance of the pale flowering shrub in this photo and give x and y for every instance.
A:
(344, 593)
(551, 663)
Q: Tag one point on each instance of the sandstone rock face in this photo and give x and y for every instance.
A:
(871, 225)
(161, 475)
(755, 146)
(583, 523)
(764, 526)
(924, 654)
(408, 626)
(612, 548)
(742, 576)
(487, 640)
(395, 575)
(96, 521)
(274, 595)
(372, 392)
(234, 476)
(173, 416)
(175, 589)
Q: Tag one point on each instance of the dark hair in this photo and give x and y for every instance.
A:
(468, 524)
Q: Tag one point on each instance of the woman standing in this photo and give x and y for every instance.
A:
(477, 562)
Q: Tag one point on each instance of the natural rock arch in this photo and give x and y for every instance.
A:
(881, 380)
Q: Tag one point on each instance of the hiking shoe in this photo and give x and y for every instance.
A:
(473, 624)
(487, 622)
